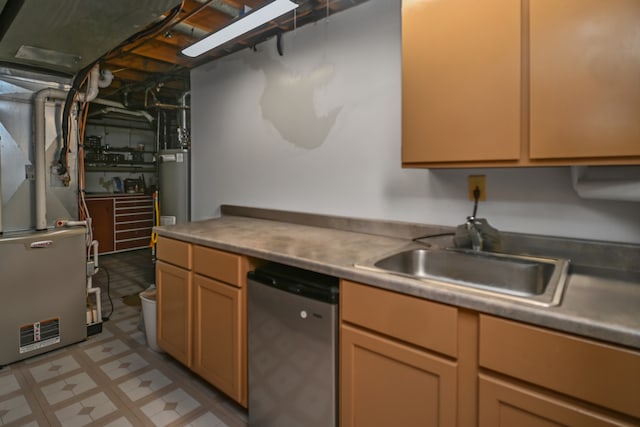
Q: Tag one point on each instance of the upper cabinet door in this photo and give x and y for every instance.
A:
(585, 78)
(461, 79)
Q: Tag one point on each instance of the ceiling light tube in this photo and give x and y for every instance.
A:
(248, 22)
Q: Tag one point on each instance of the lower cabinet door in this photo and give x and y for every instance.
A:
(218, 343)
(102, 224)
(504, 404)
(174, 311)
(385, 383)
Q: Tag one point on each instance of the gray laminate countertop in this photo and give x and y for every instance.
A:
(605, 308)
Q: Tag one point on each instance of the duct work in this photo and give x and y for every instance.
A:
(40, 139)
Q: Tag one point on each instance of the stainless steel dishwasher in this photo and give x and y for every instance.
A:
(292, 336)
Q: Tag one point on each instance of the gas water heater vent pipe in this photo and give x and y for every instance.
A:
(183, 109)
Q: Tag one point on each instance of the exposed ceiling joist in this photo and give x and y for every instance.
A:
(152, 56)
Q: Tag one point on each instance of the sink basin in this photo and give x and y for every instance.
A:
(536, 280)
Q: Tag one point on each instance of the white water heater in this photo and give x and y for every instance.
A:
(175, 186)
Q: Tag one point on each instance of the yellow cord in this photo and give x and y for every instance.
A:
(156, 208)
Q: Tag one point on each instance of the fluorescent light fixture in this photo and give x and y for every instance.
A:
(248, 22)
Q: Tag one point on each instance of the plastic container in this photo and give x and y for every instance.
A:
(148, 302)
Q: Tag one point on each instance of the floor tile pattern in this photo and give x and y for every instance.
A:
(112, 379)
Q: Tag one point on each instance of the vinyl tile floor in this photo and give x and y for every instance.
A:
(113, 378)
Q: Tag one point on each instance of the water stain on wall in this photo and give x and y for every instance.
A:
(288, 103)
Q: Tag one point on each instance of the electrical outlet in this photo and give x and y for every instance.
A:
(479, 181)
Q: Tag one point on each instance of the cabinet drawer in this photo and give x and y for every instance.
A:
(414, 320)
(135, 204)
(134, 217)
(174, 252)
(132, 244)
(136, 225)
(143, 233)
(220, 265)
(504, 404)
(133, 210)
(597, 373)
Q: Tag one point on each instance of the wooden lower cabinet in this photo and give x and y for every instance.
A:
(121, 222)
(399, 360)
(505, 404)
(202, 312)
(218, 337)
(386, 383)
(102, 223)
(593, 374)
(174, 327)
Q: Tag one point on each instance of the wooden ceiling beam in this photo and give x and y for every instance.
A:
(176, 38)
(161, 51)
(140, 63)
(177, 81)
(204, 18)
(133, 86)
(240, 4)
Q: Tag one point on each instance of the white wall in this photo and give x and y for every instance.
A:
(318, 130)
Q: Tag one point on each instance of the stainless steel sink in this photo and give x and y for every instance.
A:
(536, 280)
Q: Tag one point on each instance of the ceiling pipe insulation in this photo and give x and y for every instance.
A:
(117, 107)
(107, 110)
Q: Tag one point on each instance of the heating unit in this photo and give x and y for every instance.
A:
(42, 292)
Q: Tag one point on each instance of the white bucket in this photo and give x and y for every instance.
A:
(148, 302)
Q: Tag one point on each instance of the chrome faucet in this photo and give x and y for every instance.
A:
(474, 233)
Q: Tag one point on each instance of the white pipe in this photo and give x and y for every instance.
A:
(106, 77)
(92, 90)
(70, 223)
(124, 111)
(108, 103)
(40, 148)
(94, 245)
(121, 106)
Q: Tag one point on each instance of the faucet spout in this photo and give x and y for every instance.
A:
(474, 233)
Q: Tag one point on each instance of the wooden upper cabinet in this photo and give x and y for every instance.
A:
(461, 78)
(520, 83)
(584, 78)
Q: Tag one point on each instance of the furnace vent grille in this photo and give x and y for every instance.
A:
(39, 334)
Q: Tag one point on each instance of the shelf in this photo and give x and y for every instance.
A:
(120, 168)
(126, 163)
(117, 150)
